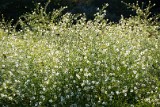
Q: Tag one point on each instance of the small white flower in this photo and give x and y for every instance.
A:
(86, 69)
(124, 91)
(32, 85)
(134, 71)
(3, 66)
(44, 88)
(112, 93)
(62, 99)
(50, 100)
(125, 94)
(131, 90)
(135, 88)
(109, 87)
(98, 62)
(33, 98)
(117, 92)
(78, 76)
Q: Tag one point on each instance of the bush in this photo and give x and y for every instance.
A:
(74, 62)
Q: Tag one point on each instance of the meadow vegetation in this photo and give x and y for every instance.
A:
(59, 60)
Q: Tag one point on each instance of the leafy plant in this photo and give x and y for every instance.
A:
(67, 60)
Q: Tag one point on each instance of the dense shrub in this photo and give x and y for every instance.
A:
(74, 62)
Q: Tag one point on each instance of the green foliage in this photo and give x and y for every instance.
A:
(39, 17)
(65, 60)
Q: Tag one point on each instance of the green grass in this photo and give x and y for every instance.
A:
(88, 63)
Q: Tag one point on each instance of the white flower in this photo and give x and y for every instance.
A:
(124, 91)
(135, 88)
(134, 71)
(117, 92)
(86, 69)
(3, 66)
(131, 90)
(50, 100)
(44, 88)
(125, 94)
(36, 104)
(78, 76)
(98, 62)
(112, 93)
(109, 87)
(33, 98)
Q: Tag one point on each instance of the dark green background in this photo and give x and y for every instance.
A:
(12, 9)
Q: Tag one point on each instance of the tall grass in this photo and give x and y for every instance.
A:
(74, 62)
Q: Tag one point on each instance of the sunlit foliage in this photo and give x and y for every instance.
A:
(69, 61)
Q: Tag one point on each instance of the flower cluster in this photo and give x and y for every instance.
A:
(86, 63)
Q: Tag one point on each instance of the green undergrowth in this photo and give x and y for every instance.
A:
(68, 61)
